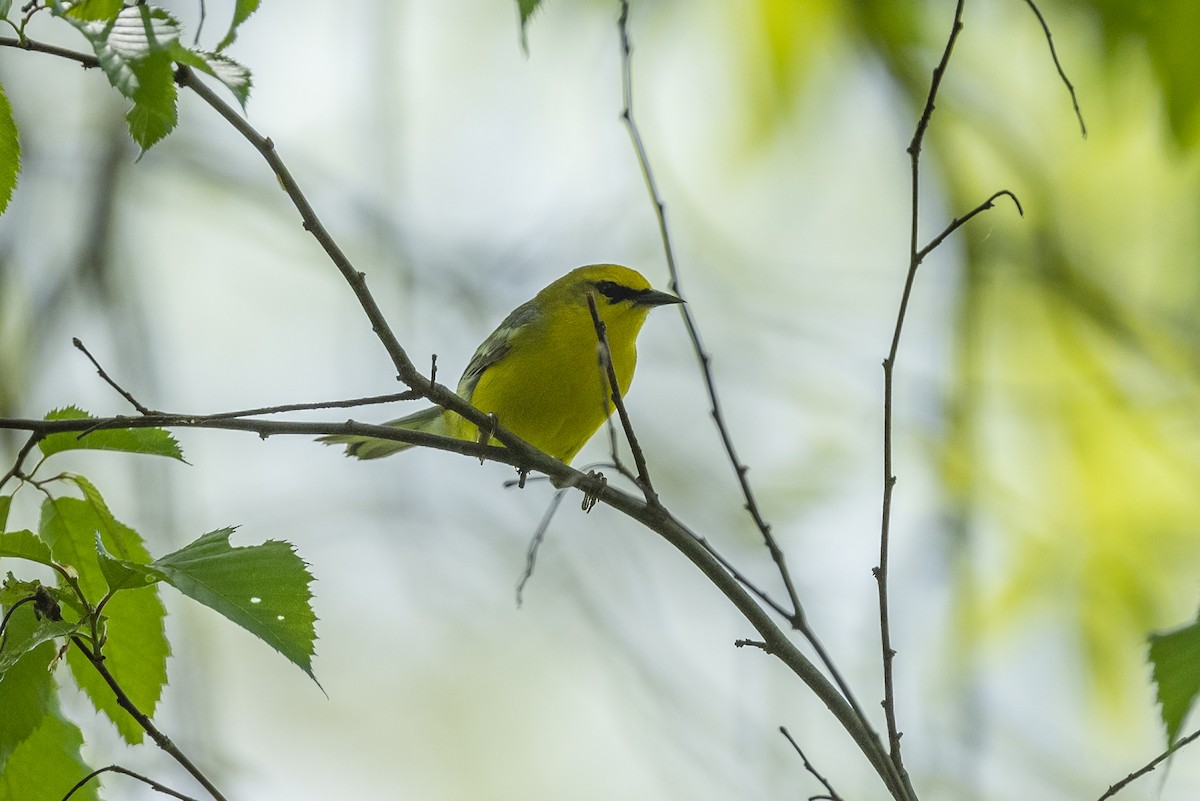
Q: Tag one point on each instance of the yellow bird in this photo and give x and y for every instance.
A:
(539, 372)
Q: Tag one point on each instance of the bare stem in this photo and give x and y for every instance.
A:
(702, 355)
(160, 739)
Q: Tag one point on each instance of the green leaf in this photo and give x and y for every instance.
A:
(154, 441)
(26, 692)
(5, 505)
(95, 9)
(153, 115)
(263, 588)
(241, 13)
(48, 763)
(229, 72)
(1176, 660)
(25, 545)
(119, 573)
(10, 151)
(5, 5)
(134, 49)
(136, 651)
(526, 8)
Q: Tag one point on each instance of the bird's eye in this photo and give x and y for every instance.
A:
(616, 292)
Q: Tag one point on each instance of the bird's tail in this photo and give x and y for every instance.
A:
(431, 421)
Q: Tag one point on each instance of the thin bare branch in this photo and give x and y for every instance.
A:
(889, 478)
(1149, 766)
(160, 739)
(833, 795)
(1062, 74)
(160, 788)
(101, 372)
(702, 355)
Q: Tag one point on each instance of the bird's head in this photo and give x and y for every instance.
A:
(623, 296)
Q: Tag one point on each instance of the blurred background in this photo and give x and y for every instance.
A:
(1047, 429)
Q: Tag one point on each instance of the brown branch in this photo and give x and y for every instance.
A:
(833, 795)
(161, 788)
(889, 478)
(703, 357)
(108, 380)
(160, 739)
(1062, 74)
(1149, 766)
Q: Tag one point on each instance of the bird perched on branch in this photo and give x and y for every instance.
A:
(538, 372)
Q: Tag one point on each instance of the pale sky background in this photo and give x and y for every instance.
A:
(462, 176)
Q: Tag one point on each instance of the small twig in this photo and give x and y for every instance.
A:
(371, 400)
(536, 542)
(34, 439)
(610, 374)
(118, 769)
(959, 222)
(160, 739)
(833, 795)
(100, 370)
(1058, 65)
(702, 355)
(759, 644)
(1149, 766)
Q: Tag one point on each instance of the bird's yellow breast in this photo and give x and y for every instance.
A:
(550, 388)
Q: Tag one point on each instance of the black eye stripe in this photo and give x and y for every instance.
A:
(617, 292)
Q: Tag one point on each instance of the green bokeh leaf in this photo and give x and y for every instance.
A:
(526, 8)
(10, 151)
(1176, 660)
(154, 441)
(137, 649)
(263, 588)
(241, 13)
(48, 763)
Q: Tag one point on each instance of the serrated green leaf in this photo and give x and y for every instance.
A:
(26, 692)
(154, 441)
(263, 588)
(229, 72)
(241, 13)
(10, 151)
(94, 9)
(27, 630)
(48, 763)
(24, 544)
(153, 115)
(134, 52)
(119, 573)
(1176, 660)
(5, 505)
(526, 8)
(136, 651)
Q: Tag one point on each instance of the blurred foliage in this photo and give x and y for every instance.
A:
(1071, 447)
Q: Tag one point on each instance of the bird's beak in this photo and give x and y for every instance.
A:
(652, 297)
